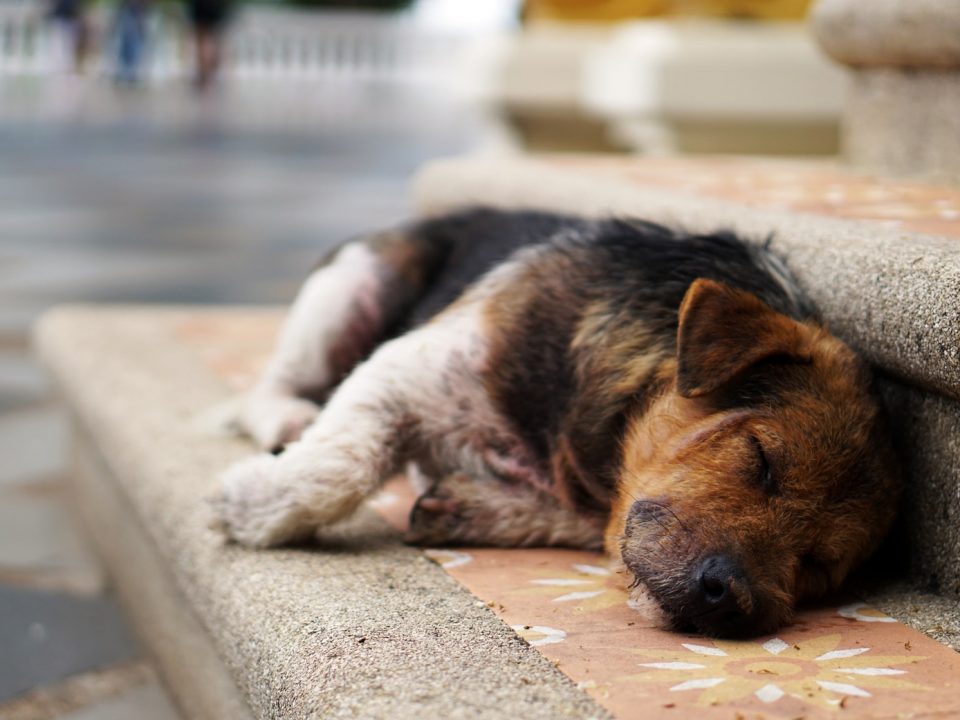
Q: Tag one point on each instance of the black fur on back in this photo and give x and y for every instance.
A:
(476, 241)
(656, 261)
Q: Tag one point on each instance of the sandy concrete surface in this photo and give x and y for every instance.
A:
(361, 627)
(931, 614)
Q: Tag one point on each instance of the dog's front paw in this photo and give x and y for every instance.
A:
(255, 508)
(274, 420)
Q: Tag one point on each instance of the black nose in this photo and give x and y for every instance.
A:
(717, 594)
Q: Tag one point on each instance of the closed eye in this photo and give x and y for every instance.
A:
(765, 475)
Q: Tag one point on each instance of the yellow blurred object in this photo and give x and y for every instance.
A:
(760, 9)
(595, 10)
(614, 10)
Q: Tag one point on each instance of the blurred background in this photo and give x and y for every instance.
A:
(207, 151)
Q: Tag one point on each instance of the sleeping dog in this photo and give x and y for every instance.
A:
(588, 383)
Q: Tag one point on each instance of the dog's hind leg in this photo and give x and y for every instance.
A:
(346, 307)
(462, 510)
(382, 414)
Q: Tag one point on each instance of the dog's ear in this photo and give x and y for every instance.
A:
(725, 331)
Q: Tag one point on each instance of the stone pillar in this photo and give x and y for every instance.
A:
(903, 113)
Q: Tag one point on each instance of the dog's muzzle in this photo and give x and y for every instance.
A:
(705, 591)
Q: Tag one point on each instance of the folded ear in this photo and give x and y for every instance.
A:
(724, 331)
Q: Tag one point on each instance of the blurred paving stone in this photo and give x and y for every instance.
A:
(33, 445)
(51, 702)
(163, 205)
(47, 637)
(35, 219)
(146, 702)
(72, 273)
(34, 527)
(40, 544)
(22, 381)
(16, 317)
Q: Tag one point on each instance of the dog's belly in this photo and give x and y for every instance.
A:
(461, 430)
(466, 433)
(484, 453)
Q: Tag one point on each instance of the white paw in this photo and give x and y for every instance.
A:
(256, 508)
(275, 420)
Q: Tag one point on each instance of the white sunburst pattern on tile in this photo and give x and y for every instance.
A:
(448, 559)
(540, 635)
(862, 612)
(587, 587)
(816, 671)
(593, 576)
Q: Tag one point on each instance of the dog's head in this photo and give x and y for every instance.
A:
(762, 476)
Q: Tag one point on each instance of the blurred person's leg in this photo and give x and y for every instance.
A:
(131, 39)
(208, 18)
(71, 35)
(208, 56)
(126, 51)
(82, 41)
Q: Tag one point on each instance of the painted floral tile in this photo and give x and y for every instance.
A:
(575, 611)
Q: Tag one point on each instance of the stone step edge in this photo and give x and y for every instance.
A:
(183, 650)
(891, 294)
(285, 623)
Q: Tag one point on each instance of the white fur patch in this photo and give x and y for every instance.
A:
(319, 317)
(412, 382)
(327, 304)
(274, 419)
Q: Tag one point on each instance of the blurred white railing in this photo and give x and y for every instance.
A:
(24, 43)
(262, 42)
(312, 44)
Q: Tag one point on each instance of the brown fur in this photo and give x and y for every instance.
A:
(698, 464)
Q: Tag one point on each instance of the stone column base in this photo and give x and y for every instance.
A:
(905, 122)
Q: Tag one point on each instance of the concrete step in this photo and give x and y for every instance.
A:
(865, 249)
(368, 628)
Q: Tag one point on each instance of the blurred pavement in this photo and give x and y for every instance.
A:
(157, 195)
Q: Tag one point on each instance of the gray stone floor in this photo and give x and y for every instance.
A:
(157, 196)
